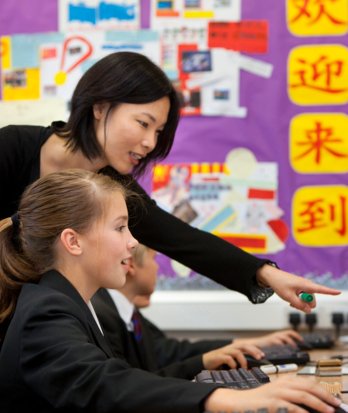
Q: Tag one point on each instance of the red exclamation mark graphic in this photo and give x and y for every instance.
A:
(61, 75)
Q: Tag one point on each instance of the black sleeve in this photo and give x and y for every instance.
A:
(11, 170)
(57, 360)
(19, 163)
(201, 251)
(186, 369)
(170, 350)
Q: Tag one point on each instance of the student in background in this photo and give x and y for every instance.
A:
(123, 118)
(153, 351)
(68, 239)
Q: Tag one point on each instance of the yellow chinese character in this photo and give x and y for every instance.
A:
(317, 17)
(319, 143)
(320, 216)
(318, 75)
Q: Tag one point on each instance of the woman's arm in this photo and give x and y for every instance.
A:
(289, 287)
(199, 250)
(215, 258)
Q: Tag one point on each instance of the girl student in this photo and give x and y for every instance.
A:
(69, 238)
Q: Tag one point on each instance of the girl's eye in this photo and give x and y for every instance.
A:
(121, 228)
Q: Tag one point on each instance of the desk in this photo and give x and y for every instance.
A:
(316, 355)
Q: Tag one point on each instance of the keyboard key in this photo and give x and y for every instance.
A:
(240, 378)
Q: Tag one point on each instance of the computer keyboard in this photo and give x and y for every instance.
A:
(239, 378)
(243, 379)
(285, 353)
(315, 340)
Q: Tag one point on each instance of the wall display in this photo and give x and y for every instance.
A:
(99, 14)
(32, 112)
(208, 78)
(52, 63)
(261, 154)
(215, 81)
(191, 13)
(235, 200)
(63, 63)
(297, 118)
(200, 44)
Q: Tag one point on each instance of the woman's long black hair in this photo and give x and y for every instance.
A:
(121, 77)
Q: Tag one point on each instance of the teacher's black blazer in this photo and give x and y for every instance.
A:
(156, 352)
(55, 359)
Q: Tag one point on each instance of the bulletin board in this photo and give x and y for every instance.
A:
(261, 153)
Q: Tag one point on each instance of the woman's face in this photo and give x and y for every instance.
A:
(130, 132)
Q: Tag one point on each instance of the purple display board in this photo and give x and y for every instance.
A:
(265, 130)
(28, 16)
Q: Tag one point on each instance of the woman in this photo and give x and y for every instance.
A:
(124, 113)
(54, 256)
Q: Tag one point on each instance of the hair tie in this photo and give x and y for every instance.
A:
(15, 221)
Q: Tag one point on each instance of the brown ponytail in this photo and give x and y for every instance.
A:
(67, 199)
(15, 269)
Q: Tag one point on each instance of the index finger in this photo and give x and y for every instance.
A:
(321, 289)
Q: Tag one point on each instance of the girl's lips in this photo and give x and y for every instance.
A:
(125, 264)
(125, 268)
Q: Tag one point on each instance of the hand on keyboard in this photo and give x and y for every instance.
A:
(316, 339)
(290, 337)
(285, 353)
(231, 357)
(285, 392)
(275, 354)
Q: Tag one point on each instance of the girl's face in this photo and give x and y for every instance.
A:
(107, 246)
(130, 132)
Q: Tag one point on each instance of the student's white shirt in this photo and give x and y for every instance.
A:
(90, 306)
(124, 306)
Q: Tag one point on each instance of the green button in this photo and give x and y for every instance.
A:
(308, 298)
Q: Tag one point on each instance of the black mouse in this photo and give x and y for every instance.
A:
(253, 362)
(304, 345)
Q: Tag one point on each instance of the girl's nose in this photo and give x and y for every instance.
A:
(132, 243)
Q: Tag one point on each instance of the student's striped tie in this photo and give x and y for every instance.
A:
(137, 325)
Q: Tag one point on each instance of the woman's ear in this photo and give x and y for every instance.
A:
(99, 110)
(70, 241)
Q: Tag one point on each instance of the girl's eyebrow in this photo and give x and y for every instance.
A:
(121, 218)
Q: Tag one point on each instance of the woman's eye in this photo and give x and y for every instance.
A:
(143, 124)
